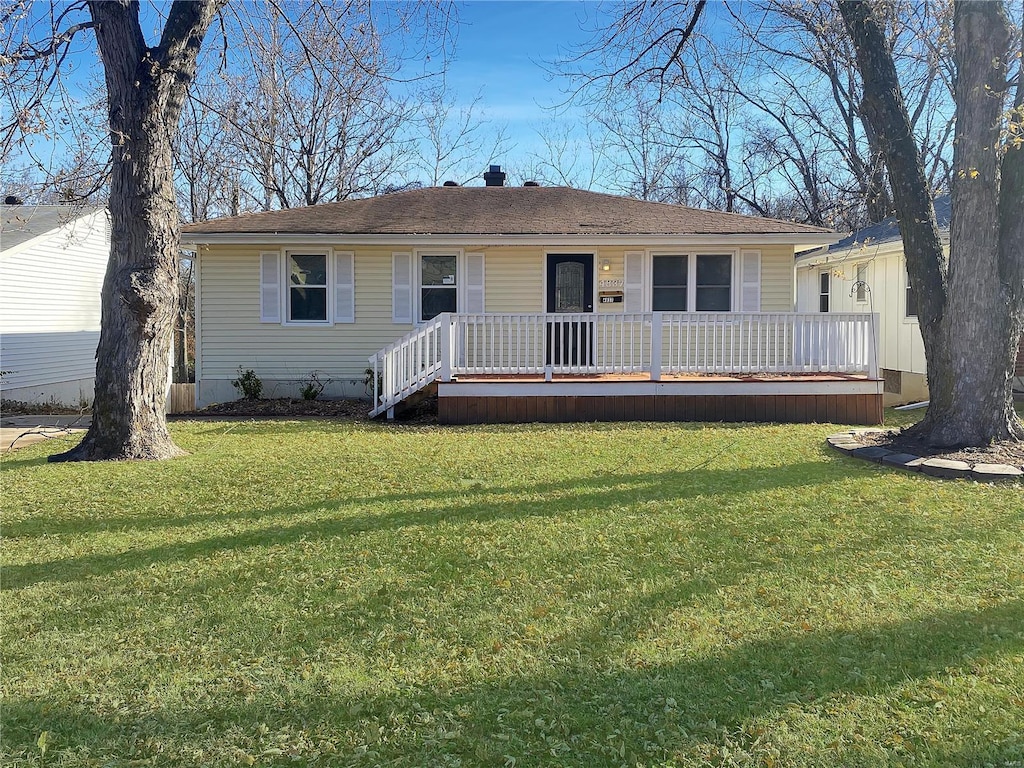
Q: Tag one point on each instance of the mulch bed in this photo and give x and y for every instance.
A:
(1005, 452)
(349, 410)
(352, 410)
(19, 408)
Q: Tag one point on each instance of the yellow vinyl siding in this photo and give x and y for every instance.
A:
(513, 279)
(776, 277)
(232, 334)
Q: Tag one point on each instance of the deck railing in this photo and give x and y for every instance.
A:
(654, 343)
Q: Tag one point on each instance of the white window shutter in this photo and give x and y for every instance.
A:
(474, 283)
(401, 287)
(344, 288)
(633, 283)
(750, 281)
(270, 287)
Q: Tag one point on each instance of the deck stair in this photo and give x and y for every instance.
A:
(409, 365)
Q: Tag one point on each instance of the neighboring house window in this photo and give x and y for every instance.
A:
(438, 285)
(824, 290)
(862, 283)
(307, 287)
(672, 290)
(669, 283)
(911, 299)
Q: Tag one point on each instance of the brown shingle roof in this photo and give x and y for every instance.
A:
(497, 211)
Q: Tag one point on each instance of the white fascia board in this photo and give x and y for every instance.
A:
(858, 251)
(191, 242)
(854, 253)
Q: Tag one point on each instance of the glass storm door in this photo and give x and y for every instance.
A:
(570, 290)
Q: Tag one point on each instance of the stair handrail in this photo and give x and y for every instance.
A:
(409, 364)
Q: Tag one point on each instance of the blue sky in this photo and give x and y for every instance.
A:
(504, 47)
(504, 52)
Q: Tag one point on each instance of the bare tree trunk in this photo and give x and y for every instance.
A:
(145, 91)
(970, 311)
(981, 326)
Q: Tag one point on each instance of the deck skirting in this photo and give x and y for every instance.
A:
(840, 402)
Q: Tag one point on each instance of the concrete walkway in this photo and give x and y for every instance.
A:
(19, 431)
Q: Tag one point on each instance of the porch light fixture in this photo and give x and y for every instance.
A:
(606, 265)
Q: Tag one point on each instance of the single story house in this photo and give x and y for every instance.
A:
(524, 304)
(867, 272)
(52, 262)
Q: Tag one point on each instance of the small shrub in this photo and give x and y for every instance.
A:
(368, 384)
(249, 384)
(313, 388)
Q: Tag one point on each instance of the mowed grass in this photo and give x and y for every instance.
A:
(317, 593)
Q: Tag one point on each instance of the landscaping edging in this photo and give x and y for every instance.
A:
(848, 444)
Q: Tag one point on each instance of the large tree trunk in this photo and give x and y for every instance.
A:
(969, 307)
(971, 397)
(145, 90)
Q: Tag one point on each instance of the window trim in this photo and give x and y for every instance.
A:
(860, 284)
(689, 279)
(417, 279)
(905, 316)
(286, 299)
(735, 276)
(827, 295)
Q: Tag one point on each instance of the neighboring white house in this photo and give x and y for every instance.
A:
(537, 303)
(52, 262)
(867, 272)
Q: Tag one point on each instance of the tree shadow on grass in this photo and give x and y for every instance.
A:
(10, 465)
(334, 518)
(805, 697)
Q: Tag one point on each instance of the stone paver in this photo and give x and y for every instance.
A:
(846, 442)
(872, 453)
(847, 447)
(946, 468)
(906, 461)
(993, 472)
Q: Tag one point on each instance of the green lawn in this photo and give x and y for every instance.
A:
(313, 593)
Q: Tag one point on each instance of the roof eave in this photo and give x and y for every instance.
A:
(859, 250)
(423, 240)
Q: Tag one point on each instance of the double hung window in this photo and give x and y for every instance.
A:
(307, 287)
(438, 285)
(709, 290)
(669, 292)
(714, 283)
